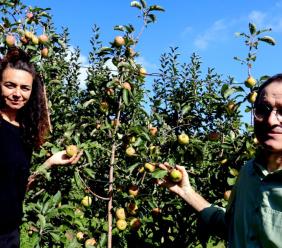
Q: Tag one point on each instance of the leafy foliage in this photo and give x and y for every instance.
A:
(104, 115)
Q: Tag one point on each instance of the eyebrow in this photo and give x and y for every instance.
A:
(10, 82)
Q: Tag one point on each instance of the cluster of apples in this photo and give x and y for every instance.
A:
(250, 82)
(28, 37)
(120, 41)
(121, 223)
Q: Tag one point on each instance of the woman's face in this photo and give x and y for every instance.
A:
(16, 87)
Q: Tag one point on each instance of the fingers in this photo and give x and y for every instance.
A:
(75, 158)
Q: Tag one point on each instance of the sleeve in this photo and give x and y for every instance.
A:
(212, 221)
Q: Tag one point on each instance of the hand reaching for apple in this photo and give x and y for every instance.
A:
(183, 187)
(62, 158)
(177, 181)
(59, 158)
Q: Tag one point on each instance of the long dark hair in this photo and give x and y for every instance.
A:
(33, 117)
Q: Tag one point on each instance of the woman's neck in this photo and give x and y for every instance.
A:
(10, 116)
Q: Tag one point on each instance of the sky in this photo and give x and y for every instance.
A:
(204, 27)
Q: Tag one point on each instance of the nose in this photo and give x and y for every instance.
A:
(16, 92)
(272, 118)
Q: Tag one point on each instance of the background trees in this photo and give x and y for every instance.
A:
(110, 197)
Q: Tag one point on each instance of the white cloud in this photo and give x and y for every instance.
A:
(187, 30)
(257, 17)
(83, 69)
(150, 67)
(215, 32)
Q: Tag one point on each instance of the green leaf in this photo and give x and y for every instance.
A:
(143, 3)
(152, 17)
(57, 198)
(156, 7)
(233, 172)
(103, 240)
(125, 96)
(42, 221)
(159, 173)
(268, 39)
(55, 236)
(78, 180)
(185, 109)
(252, 28)
(119, 27)
(136, 4)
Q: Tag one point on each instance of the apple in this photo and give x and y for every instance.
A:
(141, 170)
(110, 91)
(86, 201)
(255, 140)
(126, 86)
(250, 82)
(153, 131)
(120, 213)
(183, 139)
(121, 225)
(80, 236)
(104, 106)
(79, 213)
(226, 195)
(28, 34)
(213, 136)
(231, 106)
(142, 72)
(133, 190)
(44, 52)
(132, 139)
(119, 41)
(24, 40)
(43, 38)
(130, 151)
(71, 150)
(135, 224)
(156, 211)
(252, 96)
(29, 15)
(10, 40)
(132, 208)
(130, 52)
(90, 242)
(149, 167)
(175, 175)
(115, 122)
(35, 40)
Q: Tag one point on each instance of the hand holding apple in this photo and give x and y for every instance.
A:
(61, 158)
(178, 184)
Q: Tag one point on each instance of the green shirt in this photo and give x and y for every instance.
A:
(254, 216)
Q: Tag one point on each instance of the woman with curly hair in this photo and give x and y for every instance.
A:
(23, 126)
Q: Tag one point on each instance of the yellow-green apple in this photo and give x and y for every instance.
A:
(86, 201)
(175, 175)
(121, 224)
(183, 139)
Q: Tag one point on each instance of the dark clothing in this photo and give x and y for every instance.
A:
(10, 240)
(14, 172)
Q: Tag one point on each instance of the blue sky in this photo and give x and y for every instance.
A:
(204, 27)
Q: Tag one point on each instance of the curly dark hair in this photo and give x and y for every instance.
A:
(33, 117)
